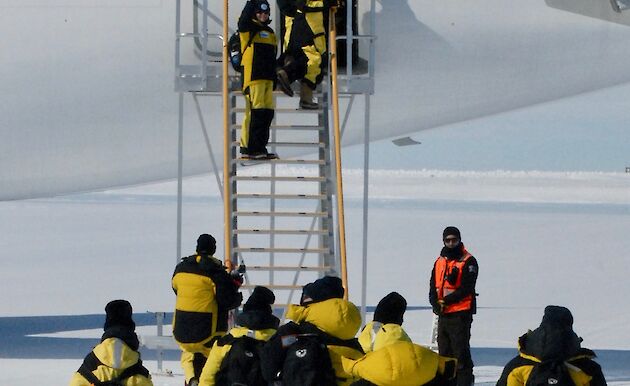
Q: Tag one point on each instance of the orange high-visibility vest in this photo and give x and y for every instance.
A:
(443, 267)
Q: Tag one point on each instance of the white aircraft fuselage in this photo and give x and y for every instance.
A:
(88, 100)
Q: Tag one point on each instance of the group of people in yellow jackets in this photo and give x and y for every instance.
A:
(382, 354)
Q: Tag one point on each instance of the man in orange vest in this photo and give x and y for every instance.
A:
(452, 296)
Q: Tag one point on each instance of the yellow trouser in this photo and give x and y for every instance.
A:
(259, 111)
(194, 356)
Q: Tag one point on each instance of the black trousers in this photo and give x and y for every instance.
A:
(454, 341)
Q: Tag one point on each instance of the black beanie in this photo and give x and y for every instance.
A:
(118, 313)
(206, 244)
(451, 231)
(557, 316)
(327, 287)
(260, 300)
(391, 309)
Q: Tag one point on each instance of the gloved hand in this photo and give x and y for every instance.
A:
(237, 275)
(438, 308)
(452, 276)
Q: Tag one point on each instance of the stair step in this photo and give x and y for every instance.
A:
(287, 144)
(280, 214)
(281, 250)
(287, 127)
(281, 231)
(281, 161)
(282, 196)
(287, 268)
(279, 178)
(286, 110)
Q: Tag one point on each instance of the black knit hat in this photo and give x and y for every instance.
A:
(327, 287)
(451, 231)
(557, 316)
(118, 313)
(391, 309)
(206, 244)
(260, 300)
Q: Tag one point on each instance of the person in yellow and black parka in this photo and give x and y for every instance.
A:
(392, 359)
(453, 298)
(305, 49)
(552, 354)
(116, 358)
(258, 50)
(255, 325)
(205, 292)
(324, 314)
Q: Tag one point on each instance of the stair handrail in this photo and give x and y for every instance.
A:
(227, 203)
(332, 44)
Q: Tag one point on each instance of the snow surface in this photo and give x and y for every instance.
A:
(540, 238)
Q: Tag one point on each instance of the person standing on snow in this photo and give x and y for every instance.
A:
(205, 292)
(453, 298)
(116, 357)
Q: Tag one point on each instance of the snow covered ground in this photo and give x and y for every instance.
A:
(540, 238)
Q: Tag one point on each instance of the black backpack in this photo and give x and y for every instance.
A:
(307, 363)
(241, 365)
(552, 372)
(234, 46)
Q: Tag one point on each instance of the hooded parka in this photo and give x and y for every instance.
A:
(401, 364)
(116, 354)
(335, 320)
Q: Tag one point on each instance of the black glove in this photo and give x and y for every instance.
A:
(452, 276)
(437, 310)
(237, 276)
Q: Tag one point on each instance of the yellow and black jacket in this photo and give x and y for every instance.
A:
(545, 344)
(401, 364)
(392, 359)
(116, 357)
(223, 346)
(335, 321)
(258, 48)
(205, 293)
(376, 335)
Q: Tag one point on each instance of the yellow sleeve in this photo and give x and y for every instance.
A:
(78, 380)
(213, 364)
(139, 380)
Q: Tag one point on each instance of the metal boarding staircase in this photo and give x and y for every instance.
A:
(281, 212)
(283, 218)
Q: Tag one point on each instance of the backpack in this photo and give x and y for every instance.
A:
(234, 46)
(241, 365)
(307, 362)
(552, 372)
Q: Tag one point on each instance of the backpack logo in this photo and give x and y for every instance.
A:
(301, 353)
(552, 381)
(249, 354)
